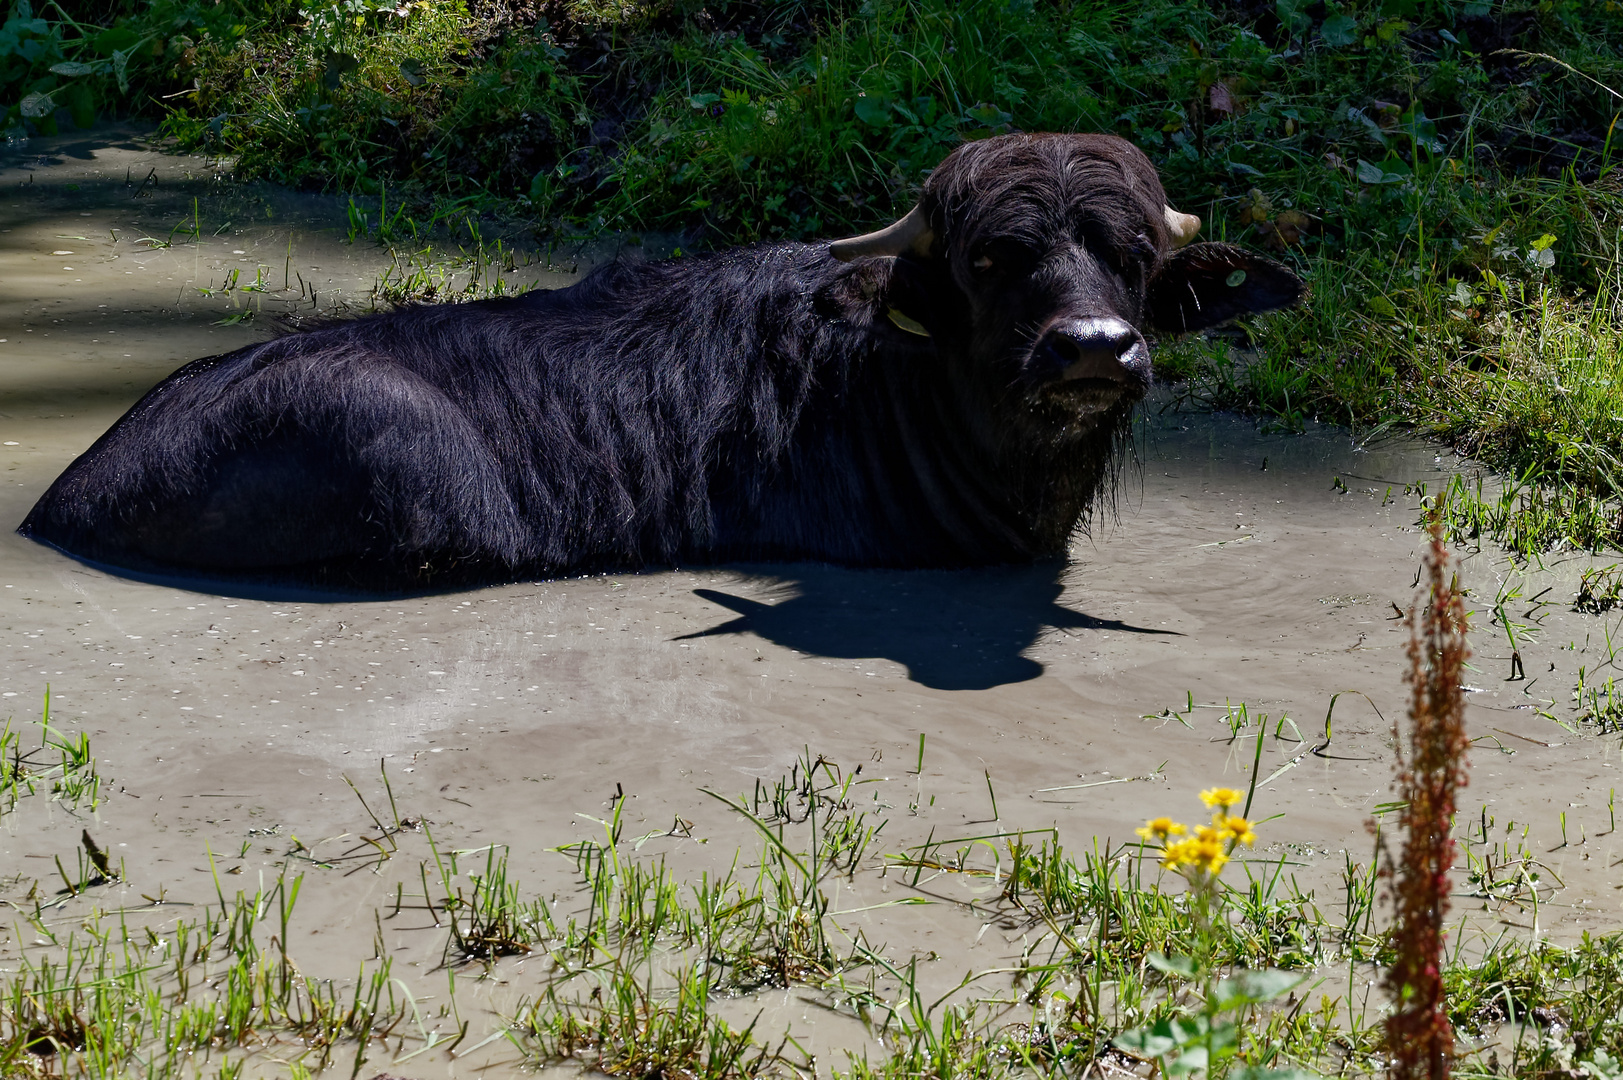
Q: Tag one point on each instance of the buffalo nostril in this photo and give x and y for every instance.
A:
(1100, 348)
(1066, 349)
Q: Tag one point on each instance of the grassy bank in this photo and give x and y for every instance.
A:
(1440, 170)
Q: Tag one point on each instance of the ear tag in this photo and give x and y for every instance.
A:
(1235, 280)
(912, 326)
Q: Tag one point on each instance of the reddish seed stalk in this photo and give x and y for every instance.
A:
(1420, 1040)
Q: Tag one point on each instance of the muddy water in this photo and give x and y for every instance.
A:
(1235, 572)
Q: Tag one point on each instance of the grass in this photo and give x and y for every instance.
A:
(1520, 374)
(110, 999)
(61, 765)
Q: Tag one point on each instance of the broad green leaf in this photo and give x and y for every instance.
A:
(1602, 1066)
(1339, 31)
(1224, 1037)
(1185, 1029)
(873, 110)
(335, 65)
(1370, 126)
(72, 68)
(36, 105)
(1369, 173)
(1388, 31)
(1191, 1060)
(80, 102)
(987, 113)
(1173, 965)
(1144, 1042)
(1254, 987)
(1258, 1072)
(118, 38)
(703, 101)
(1416, 124)
(1292, 16)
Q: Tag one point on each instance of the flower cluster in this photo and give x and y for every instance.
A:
(1431, 772)
(1206, 851)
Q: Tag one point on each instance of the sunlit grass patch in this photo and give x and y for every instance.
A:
(1470, 340)
(57, 764)
(642, 1023)
(116, 996)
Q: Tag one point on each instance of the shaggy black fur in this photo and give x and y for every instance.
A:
(762, 403)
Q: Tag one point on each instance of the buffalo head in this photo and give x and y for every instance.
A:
(1037, 263)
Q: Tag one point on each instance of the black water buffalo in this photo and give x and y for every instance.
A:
(948, 391)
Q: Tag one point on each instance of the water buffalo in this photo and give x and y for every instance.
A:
(949, 391)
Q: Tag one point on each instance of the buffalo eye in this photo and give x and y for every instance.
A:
(1004, 255)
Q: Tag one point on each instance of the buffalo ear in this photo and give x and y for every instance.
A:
(909, 292)
(887, 291)
(1203, 285)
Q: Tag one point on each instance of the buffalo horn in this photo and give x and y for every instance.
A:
(909, 234)
(1183, 227)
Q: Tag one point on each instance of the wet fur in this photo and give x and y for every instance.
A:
(755, 404)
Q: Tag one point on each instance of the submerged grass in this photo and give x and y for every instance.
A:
(631, 968)
(60, 765)
(109, 999)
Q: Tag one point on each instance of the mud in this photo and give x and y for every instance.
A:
(1235, 570)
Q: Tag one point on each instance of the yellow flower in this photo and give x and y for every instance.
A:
(1202, 852)
(1224, 797)
(1177, 854)
(1160, 828)
(1237, 829)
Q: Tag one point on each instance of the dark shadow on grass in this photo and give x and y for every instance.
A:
(952, 630)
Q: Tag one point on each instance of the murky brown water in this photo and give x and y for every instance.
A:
(227, 725)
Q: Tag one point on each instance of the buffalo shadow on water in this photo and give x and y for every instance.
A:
(951, 629)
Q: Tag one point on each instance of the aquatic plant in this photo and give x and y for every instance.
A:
(1430, 773)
